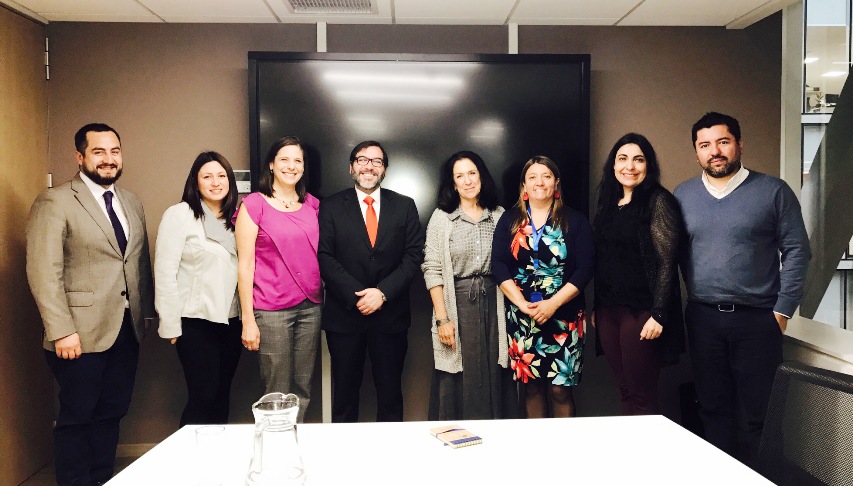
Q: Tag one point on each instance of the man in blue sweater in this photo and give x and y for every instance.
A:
(741, 225)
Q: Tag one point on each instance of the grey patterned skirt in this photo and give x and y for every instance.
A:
(483, 390)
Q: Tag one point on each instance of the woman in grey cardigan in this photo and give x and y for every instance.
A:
(469, 330)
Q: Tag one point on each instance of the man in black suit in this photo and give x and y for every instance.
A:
(371, 246)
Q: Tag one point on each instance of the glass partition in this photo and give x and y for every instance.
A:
(827, 53)
(826, 184)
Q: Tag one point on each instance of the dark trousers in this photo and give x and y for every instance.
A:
(94, 394)
(209, 353)
(735, 356)
(387, 354)
(634, 362)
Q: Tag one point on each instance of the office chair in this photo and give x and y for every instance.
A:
(808, 433)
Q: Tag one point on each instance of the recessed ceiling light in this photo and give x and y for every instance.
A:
(834, 74)
(810, 60)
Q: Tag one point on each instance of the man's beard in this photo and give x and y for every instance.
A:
(728, 169)
(378, 180)
(98, 178)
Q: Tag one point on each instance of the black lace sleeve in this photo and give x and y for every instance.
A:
(665, 231)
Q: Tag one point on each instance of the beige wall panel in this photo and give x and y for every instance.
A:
(173, 90)
(659, 81)
(26, 386)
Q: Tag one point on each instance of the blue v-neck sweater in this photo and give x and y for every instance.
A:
(736, 244)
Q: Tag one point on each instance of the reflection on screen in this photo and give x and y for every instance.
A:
(505, 108)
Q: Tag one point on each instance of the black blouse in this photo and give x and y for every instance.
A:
(637, 250)
(619, 275)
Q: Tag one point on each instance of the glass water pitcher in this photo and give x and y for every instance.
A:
(277, 459)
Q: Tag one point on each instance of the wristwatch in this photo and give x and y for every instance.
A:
(439, 322)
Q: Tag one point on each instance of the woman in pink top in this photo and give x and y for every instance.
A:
(278, 277)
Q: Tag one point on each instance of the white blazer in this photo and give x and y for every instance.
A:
(193, 276)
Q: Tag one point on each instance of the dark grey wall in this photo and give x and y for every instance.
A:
(173, 90)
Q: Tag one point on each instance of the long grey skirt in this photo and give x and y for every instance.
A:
(483, 390)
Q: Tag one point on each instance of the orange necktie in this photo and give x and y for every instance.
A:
(370, 221)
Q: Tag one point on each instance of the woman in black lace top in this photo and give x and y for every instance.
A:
(638, 318)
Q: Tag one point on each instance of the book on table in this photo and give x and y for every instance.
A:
(455, 436)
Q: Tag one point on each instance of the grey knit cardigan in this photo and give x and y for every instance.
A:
(438, 270)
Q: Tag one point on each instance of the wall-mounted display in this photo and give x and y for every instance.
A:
(423, 108)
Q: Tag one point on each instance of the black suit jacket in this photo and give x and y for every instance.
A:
(349, 264)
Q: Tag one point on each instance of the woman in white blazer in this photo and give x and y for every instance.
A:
(195, 289)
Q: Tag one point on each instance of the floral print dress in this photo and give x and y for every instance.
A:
(553, 350)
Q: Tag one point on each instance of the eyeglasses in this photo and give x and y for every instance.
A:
(377, 162)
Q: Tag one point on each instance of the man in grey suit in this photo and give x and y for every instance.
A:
(89, 270)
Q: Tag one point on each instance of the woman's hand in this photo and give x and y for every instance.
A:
(592, 318)
(447, 334)
(524, 307)
(251, 335)
(173, 340)
(513, 293)
(651, 329)
(543, 310)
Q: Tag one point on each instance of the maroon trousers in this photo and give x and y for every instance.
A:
(634, 362)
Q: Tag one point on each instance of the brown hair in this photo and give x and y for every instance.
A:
(520, 208)
(266, 178)
(192, 194)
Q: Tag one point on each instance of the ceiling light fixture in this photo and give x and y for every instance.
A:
(834, 74)
(810, 60)
(331, 6)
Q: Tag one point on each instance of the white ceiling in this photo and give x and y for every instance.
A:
(728, 13)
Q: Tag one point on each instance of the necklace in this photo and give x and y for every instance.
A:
(287, 204)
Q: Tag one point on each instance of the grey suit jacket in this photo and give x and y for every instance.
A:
(76, 270)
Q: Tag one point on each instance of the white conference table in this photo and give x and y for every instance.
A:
(595, 450)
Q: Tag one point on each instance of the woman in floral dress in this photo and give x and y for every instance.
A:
(543, 257)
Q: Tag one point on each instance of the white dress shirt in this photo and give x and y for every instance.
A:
(98, 192)
(735, 181)
(363, 205)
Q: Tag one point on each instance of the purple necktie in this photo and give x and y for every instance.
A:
(122, 240)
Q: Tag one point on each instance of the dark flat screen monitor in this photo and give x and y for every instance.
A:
(423, 108)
